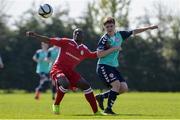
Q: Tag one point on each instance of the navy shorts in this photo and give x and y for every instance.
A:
(43, 75)
(109, 74)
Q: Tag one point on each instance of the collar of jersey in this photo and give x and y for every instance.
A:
(77, 44)
(110, 36)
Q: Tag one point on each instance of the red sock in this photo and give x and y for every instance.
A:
(59, 95)
(91, 99)
(37, 94)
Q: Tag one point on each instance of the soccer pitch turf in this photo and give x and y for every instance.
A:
(133, 105)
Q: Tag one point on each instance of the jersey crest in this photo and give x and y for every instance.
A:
(82, 52)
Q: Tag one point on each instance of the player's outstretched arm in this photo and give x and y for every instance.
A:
(140, 30)
(41, 38)
(103, 53)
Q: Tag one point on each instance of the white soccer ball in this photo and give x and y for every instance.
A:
(45, 10)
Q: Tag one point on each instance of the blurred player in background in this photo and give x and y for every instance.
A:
(107, 65)
(52, 55)
(1, 63)
(73, 51)
(42, 68)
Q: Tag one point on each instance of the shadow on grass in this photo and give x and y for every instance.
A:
(147, 115)
(128, 114)
(94, 115)
(85, 115)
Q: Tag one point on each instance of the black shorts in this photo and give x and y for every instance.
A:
(109, 74)
(43, 75)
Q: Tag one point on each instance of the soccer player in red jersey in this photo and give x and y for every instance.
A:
(63, 73)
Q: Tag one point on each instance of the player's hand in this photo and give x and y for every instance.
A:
(153, 27)
(47, 59)
(31, 34)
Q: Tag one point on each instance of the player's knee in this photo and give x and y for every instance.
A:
(123, 88)
(116, 86)
(86, 86)
(62, 81)
(83, 84)
(65, 84)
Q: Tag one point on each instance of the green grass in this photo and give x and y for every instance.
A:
(74, 106)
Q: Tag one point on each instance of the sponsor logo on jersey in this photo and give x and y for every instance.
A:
(82, 52)
(111, 75)
(117, 39)
(69, 54)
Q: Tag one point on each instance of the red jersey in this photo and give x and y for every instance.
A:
(71, 53)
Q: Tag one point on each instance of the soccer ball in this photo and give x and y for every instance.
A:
(45, 10)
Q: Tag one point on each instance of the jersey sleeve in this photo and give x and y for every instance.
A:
(36, 55)
(89, 54)
(60, 42)
(126, 34)
(102, 45)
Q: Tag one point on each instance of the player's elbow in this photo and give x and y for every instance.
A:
(35, 59)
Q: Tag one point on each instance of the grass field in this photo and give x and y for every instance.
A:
(74, 106)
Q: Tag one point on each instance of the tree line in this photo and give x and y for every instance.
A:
(148, 63)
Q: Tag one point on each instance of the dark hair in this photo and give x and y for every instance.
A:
(78, 34)
(109, 20)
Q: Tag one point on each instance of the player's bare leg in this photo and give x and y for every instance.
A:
(43, 79)
(84, 85)
(123, 88)
(53, 89)
(62, 84)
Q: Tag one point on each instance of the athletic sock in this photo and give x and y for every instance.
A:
(37, 94)
(91, 99)
(60, 94)
(105, 94)
(111, 99)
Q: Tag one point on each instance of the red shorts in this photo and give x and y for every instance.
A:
(71, 75)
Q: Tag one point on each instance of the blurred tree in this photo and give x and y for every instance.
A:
(164, 44)
(149, 63)
(98, 10)
(5, 36)
(19, 72)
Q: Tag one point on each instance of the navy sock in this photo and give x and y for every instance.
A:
(111, 99)
(105, 94)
